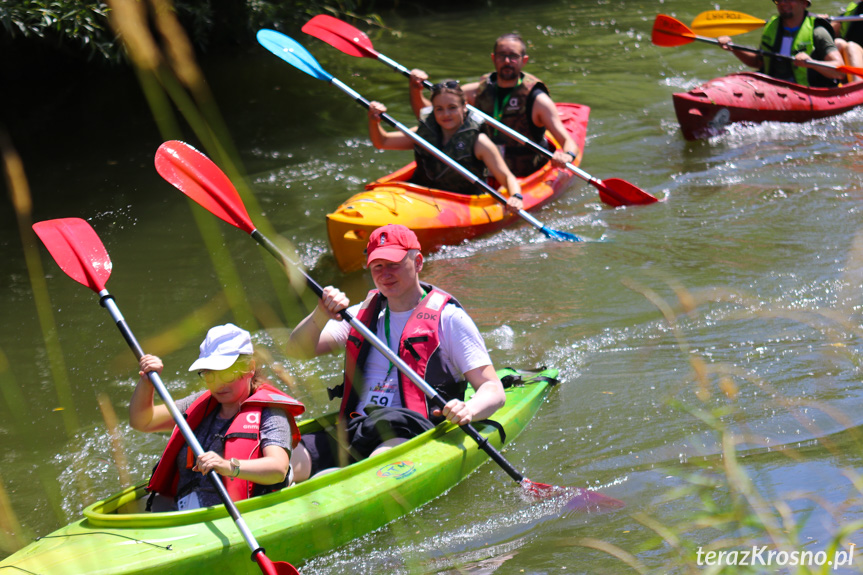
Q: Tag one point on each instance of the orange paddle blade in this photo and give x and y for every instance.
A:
(851, 70)
(669, 32)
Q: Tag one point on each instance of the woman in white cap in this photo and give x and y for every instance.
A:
(245, 426)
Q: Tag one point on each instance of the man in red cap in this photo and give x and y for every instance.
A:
(795, 33)
(428, 329)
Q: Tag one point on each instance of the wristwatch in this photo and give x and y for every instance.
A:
(235, 467)
(573, 156)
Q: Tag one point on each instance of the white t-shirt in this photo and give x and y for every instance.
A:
(461, 345)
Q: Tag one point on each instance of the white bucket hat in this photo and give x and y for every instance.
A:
(222, 346)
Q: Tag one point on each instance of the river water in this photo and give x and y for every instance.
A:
(733, 306)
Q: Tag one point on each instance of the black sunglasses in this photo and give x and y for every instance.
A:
(451, 84)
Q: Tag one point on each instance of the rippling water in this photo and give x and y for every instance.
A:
(748, 273)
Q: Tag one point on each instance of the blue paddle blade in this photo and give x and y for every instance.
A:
(292, 52)
(559, 235)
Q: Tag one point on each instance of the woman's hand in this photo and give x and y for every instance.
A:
(376, 109)
(149, 363)
(211, 461)
(418, 79)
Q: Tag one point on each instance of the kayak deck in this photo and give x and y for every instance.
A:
(293, 524)
(439, 217)
(751, 97)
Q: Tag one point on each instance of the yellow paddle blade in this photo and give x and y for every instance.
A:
(716, 23)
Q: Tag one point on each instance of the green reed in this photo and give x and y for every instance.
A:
(737, 514)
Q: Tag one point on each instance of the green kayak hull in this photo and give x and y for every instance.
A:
(294, 524)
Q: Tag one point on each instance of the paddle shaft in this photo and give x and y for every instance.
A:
(437, 153)
(501, 126)
(370, 336)
(107, 301)
(354, 42)
(761, 52)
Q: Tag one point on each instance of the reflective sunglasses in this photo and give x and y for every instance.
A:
(224, 375)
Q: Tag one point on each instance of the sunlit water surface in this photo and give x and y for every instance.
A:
(751, 265)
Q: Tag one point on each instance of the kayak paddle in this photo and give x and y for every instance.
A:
(293, 53)
(715, 23)
(355, 42)
(198, 177)
(79, 252)
(669, 32)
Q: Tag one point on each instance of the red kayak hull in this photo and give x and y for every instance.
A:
(751, 97)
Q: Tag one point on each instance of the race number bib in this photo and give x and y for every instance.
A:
(383, 394)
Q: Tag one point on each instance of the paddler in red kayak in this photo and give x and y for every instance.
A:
(518, 100)
(432, 333)
(794, 32)
(449, 128)
(244, 424)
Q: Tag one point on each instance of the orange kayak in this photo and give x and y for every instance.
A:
(436, 216)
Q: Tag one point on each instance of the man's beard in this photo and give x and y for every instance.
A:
(507, 73)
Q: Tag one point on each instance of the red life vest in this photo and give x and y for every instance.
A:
(419, 347)
(242, 440)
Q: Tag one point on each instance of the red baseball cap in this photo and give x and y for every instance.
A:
(391, 242)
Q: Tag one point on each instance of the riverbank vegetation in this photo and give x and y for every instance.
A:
(82, 28)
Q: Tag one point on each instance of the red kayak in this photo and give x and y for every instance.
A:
(754, 98)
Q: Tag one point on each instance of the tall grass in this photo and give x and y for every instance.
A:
(738, 513)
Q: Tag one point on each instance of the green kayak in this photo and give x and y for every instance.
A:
(294, 524)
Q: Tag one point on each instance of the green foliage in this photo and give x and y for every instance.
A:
(77, 24)
(81, 26)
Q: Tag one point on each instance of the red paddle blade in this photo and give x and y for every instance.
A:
(341, 36)
(670, 32)
(616, 192)
(198, 177)
(77, 249)
(583, 500)
(588, 501)
(277, 568)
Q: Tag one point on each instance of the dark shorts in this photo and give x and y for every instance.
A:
(364, 434)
